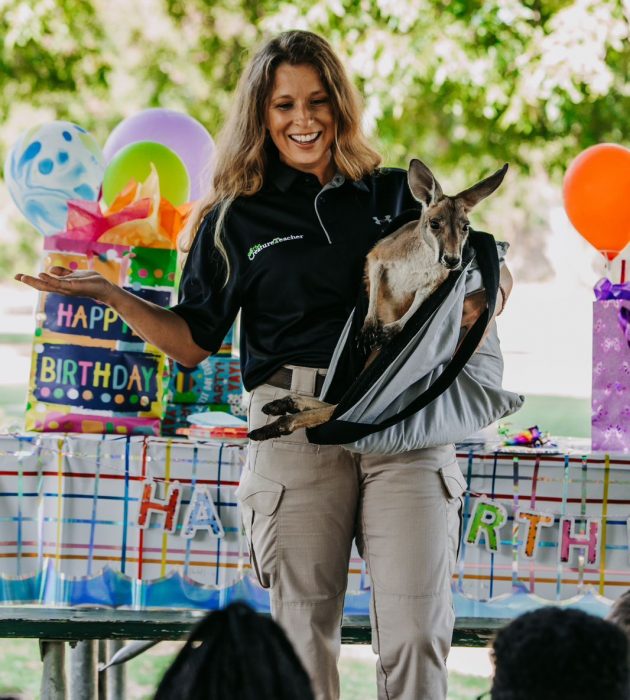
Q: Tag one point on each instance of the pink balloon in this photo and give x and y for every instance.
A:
(176, 130)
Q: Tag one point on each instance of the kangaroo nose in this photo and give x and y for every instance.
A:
(450, 261)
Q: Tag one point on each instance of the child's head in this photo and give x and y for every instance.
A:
(620, 615)
(236, 654)
(554, 653)
(620, 612)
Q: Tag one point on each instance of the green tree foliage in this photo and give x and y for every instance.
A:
(464, 83)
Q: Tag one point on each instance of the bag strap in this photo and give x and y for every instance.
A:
(341, 432)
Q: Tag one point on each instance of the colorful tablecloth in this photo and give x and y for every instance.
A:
(146, 522)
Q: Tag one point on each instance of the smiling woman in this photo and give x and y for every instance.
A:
(300, 120)
(297, 204)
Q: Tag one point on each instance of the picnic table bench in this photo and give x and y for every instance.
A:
(55, 627)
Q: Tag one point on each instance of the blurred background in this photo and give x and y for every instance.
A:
(464, 85)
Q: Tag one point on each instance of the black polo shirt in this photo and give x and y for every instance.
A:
(296, 251)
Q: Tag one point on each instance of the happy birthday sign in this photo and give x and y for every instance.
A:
(90, 372)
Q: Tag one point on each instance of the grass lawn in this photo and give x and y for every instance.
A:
(20, 670)
(558, 415)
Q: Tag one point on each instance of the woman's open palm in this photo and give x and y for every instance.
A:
(61, 280)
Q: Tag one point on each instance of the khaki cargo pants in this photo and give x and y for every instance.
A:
(302, 506)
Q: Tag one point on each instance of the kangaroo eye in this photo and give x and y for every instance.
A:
(434, 224)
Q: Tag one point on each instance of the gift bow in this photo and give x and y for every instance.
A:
(138, 217)
(605, 290)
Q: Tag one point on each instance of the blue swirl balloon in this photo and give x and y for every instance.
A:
(49, 165)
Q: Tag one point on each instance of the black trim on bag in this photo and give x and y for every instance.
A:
(350, 382)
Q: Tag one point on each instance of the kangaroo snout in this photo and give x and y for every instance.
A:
(451, 262)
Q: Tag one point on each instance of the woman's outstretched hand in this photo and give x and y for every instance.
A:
(61, 280)
(155, 325)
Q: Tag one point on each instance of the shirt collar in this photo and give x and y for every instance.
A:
(280, 174)
(283, 176)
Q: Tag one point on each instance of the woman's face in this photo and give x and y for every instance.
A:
(300, 120)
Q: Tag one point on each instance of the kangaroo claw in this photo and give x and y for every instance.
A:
(371, 336)
(389, 332)
(280, 407)
(273, 430)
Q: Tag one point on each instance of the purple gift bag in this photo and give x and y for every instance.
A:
(610, 423)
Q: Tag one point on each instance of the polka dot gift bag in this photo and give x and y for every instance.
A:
(90, 372)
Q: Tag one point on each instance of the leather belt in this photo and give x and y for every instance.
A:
(282, 379)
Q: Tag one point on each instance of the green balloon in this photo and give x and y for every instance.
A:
(134, 162)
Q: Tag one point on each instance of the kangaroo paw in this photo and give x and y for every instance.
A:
(280, 407)
(388, 332)
(370, 336)
(274, 430)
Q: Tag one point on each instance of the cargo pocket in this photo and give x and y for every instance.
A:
(453, 480)
(259, 498)
(454, 486)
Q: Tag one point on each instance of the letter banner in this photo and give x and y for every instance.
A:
(543, 527)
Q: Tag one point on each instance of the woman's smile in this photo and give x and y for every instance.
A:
(305, 139)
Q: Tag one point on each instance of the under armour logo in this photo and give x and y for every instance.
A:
(385, 220)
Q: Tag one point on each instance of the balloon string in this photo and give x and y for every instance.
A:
(608, 262)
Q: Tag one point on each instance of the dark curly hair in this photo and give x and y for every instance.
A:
(558, 654)
(236, 654)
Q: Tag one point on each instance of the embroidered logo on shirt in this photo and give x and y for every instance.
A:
(255, 249)
(385, 220)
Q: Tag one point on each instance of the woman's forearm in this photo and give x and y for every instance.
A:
(475, 303)
(505, 288)
(157, 326)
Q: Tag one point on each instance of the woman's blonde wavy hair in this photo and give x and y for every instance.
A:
(241, 153)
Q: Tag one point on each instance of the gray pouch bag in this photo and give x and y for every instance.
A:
(424, 389)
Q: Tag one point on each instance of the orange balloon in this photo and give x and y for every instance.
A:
(596, 194)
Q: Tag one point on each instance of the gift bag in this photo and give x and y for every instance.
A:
(213, 385)
(216, 380)
(90, 373)
(610, 424)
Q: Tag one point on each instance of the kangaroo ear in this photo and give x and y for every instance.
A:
(424, 187)
(473, 195)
